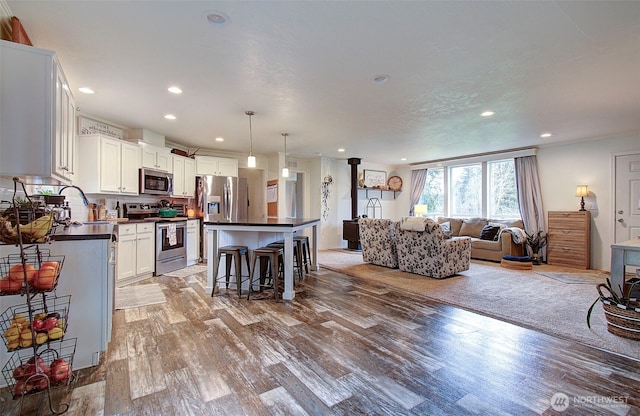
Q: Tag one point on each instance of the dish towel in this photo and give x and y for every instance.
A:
(171, 233)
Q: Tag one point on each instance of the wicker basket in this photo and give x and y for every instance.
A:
(623, 322)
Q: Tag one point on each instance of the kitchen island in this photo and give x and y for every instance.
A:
(88, 276)
(258, 232)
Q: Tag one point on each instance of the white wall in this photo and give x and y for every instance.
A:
(562, 168)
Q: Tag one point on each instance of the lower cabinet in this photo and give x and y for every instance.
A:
(136, 252)
(193, 242)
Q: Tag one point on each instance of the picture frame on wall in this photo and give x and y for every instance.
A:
(373, 178)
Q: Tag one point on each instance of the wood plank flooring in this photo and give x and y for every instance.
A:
(342, 347)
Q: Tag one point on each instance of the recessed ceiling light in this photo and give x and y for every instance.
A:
(545, 135)
(175, 90)
(86, 90)
(380, 79)
(216, 18)
(403, 159)
(170, 117)
(341, 150)
(487, 114)
(219, 139)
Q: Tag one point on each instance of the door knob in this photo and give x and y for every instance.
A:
(620, 212)
(620, 220)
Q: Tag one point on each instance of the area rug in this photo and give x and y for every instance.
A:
(187, 271)
(136, 296)
(521, 297)
(577, 278)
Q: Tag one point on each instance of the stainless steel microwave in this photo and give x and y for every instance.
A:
(154, 182)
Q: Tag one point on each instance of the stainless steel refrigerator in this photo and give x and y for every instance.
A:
(221, 198)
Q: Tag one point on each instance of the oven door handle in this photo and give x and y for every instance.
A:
(167, 225)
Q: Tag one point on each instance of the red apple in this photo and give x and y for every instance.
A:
(60, 369)
(42, 383)
(34, 360)
(19, 387)
(18, 372)
(37, 324)
(50, 323)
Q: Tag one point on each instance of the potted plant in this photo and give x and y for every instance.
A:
(622, 312)
(536, 242)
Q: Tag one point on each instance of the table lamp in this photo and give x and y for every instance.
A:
(419, 210)
(582, 191)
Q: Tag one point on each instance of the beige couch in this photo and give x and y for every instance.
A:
(484, 249)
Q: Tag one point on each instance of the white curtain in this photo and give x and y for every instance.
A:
(530, 195)
(418, 179)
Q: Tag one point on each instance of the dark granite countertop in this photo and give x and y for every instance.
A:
(83, 232)
(278, 222)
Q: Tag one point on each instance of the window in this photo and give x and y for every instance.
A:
(433, 193)
(486, 189)
(502, 195)
(465, 191)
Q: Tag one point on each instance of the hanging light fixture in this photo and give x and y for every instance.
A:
(285, 169)
(251, 160)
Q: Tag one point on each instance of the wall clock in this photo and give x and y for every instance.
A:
(395, 183)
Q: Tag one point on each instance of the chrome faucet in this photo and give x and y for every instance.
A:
(84, 197)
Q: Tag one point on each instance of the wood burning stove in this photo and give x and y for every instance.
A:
(350, 229)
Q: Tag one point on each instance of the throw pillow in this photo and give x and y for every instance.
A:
(489, 232)
(471, 227)
(499, 233)
(446, 226)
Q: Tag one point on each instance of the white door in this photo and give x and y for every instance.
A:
(627, 197)
(145, 249)
(178, 176)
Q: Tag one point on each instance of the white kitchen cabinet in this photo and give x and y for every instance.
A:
(37, 115)
(107, 166)
(126, 258)
(193, 242)
(217, 166)
(136, 252)
(145, 249)
(155, 157)
(184, 176)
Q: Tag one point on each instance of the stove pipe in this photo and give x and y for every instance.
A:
(354, 162)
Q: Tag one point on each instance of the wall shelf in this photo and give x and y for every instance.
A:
(378, 192)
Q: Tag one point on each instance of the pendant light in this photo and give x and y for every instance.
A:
(251, 160)
(285, 169)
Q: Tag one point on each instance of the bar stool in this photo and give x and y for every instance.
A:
(233, 254)
(297, 257)
(268, 256)
(302, 242)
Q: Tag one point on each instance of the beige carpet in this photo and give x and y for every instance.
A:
(526, 298)
(187, 271)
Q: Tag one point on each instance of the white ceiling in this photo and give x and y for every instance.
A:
(571, 68)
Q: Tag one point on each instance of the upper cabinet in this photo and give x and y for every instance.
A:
(156, 157)
(108, 166)
(37, 115)
(217, 166)
(184, 176)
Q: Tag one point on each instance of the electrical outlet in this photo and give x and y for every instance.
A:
(592, 206)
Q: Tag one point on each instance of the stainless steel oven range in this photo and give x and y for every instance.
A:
(171, 246)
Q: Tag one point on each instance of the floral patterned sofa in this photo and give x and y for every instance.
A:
(378, 241)
(423, 248)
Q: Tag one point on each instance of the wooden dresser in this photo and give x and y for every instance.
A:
(569, 239)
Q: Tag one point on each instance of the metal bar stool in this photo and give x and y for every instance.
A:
(233, 254)
(297, 257)
(302, 242)
(268, 256)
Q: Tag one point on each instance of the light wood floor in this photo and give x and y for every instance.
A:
(343, 347)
